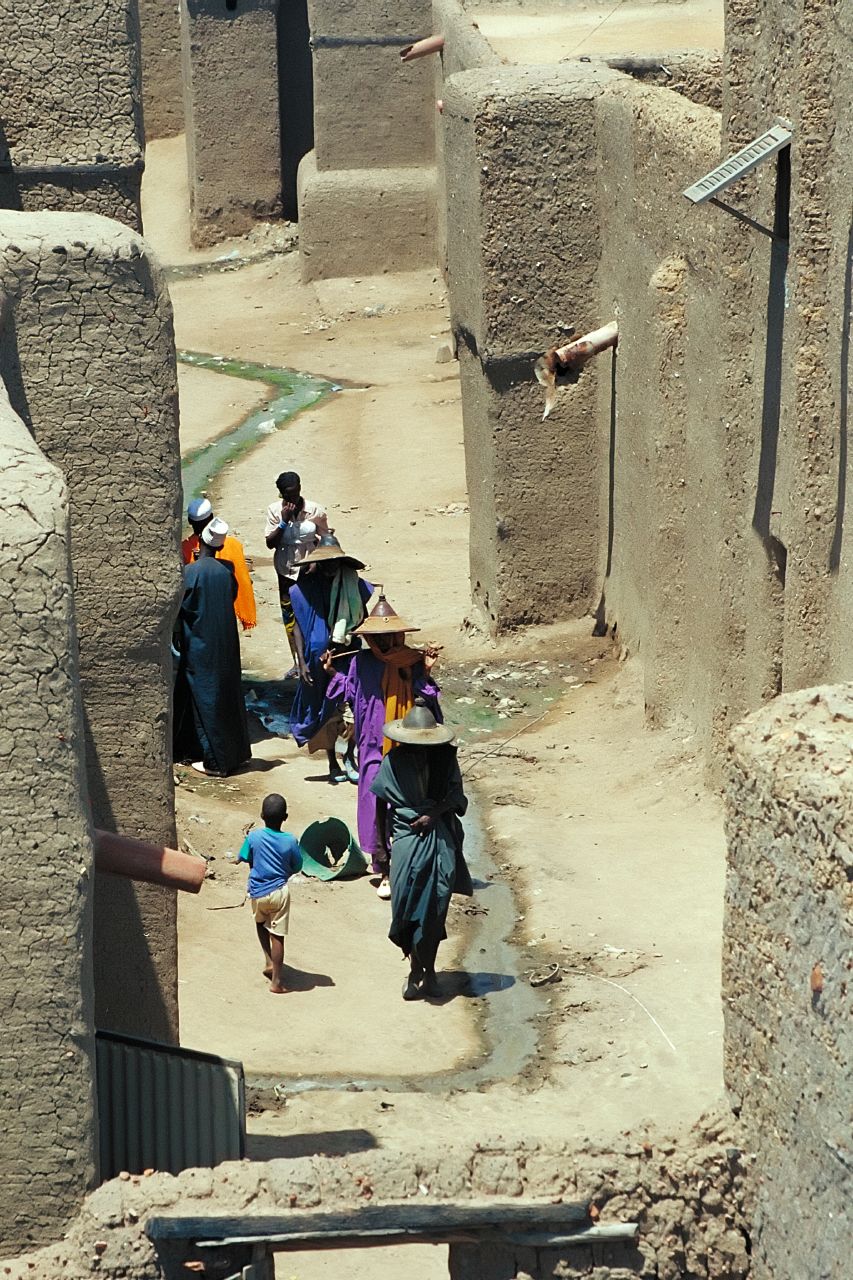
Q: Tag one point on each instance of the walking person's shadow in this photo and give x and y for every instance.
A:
(456, 983)
(302, 980)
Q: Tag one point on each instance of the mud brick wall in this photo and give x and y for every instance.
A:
(87, 354)
(682, 572)
(162, 87)
(788, 975)
(370, 109)
(686, 1201)
(522, 255)
(47, 1159)
(797, 66)
(366, 193)
(70, 95)
(230, 71)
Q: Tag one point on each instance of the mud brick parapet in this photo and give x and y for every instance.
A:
(788, 975)
(70, 99)
(686, 1199)
(87, 354)
(47, 1157)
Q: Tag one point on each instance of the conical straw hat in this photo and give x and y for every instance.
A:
(328, 548)
(383, 621)
(419, 728)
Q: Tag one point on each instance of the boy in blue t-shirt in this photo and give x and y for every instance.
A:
(273, 856)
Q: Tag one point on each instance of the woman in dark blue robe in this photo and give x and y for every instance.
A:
(419, 789)
(210, 729)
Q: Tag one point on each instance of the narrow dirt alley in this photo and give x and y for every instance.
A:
(582, 981)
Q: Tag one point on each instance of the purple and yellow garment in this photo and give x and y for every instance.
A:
(368, 686)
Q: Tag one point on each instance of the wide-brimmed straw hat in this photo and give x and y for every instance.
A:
(328, 548)
(383, 621)
(419, 728)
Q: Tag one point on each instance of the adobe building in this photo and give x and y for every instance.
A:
(89, 426)
(692, 487)
(692, 490)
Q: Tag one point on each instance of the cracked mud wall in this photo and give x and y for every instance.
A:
(685, 1195)
(788, 985)
(87, 353)
(47, 1051)
(70, 95)
(684, 581)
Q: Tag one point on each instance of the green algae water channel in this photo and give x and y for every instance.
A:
(292, 392)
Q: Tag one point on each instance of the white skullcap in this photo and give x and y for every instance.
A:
(199, 509)
(214, 534)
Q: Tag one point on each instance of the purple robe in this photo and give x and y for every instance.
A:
(361, 686)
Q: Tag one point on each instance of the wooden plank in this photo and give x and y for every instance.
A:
(436, 1219)
(300, 1242)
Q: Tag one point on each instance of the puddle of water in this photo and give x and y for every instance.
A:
(293, 392)
(508, 1004)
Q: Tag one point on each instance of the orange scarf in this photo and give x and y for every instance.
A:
(397, 684)
(232, 550)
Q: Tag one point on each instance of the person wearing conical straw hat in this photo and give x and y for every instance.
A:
(420, 803)
(329, 600)
(381, 684)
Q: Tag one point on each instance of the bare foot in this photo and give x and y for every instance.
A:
(277, 990)
(267, 972)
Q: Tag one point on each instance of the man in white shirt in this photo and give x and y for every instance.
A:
(293, 528)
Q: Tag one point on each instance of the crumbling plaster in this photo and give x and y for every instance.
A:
(46, 1004)
(788, 975)
(684, 1195)
(70, 95)
(87, 354)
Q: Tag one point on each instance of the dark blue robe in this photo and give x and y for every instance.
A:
(425, 869)
(210, 714)
(310, 598)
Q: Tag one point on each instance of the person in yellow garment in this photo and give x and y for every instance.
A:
(199, 515)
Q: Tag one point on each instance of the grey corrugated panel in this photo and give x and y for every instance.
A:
(163, 1107)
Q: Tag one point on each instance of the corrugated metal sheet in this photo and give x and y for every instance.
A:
(166, 1108)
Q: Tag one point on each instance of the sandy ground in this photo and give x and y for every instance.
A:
(542, 33)
(602, 831)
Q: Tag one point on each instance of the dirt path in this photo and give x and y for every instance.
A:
(548, 32)
(602, 830)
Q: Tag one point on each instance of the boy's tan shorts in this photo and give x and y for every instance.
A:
(273, 911)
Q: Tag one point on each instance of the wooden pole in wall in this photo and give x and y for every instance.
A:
(142, 860)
